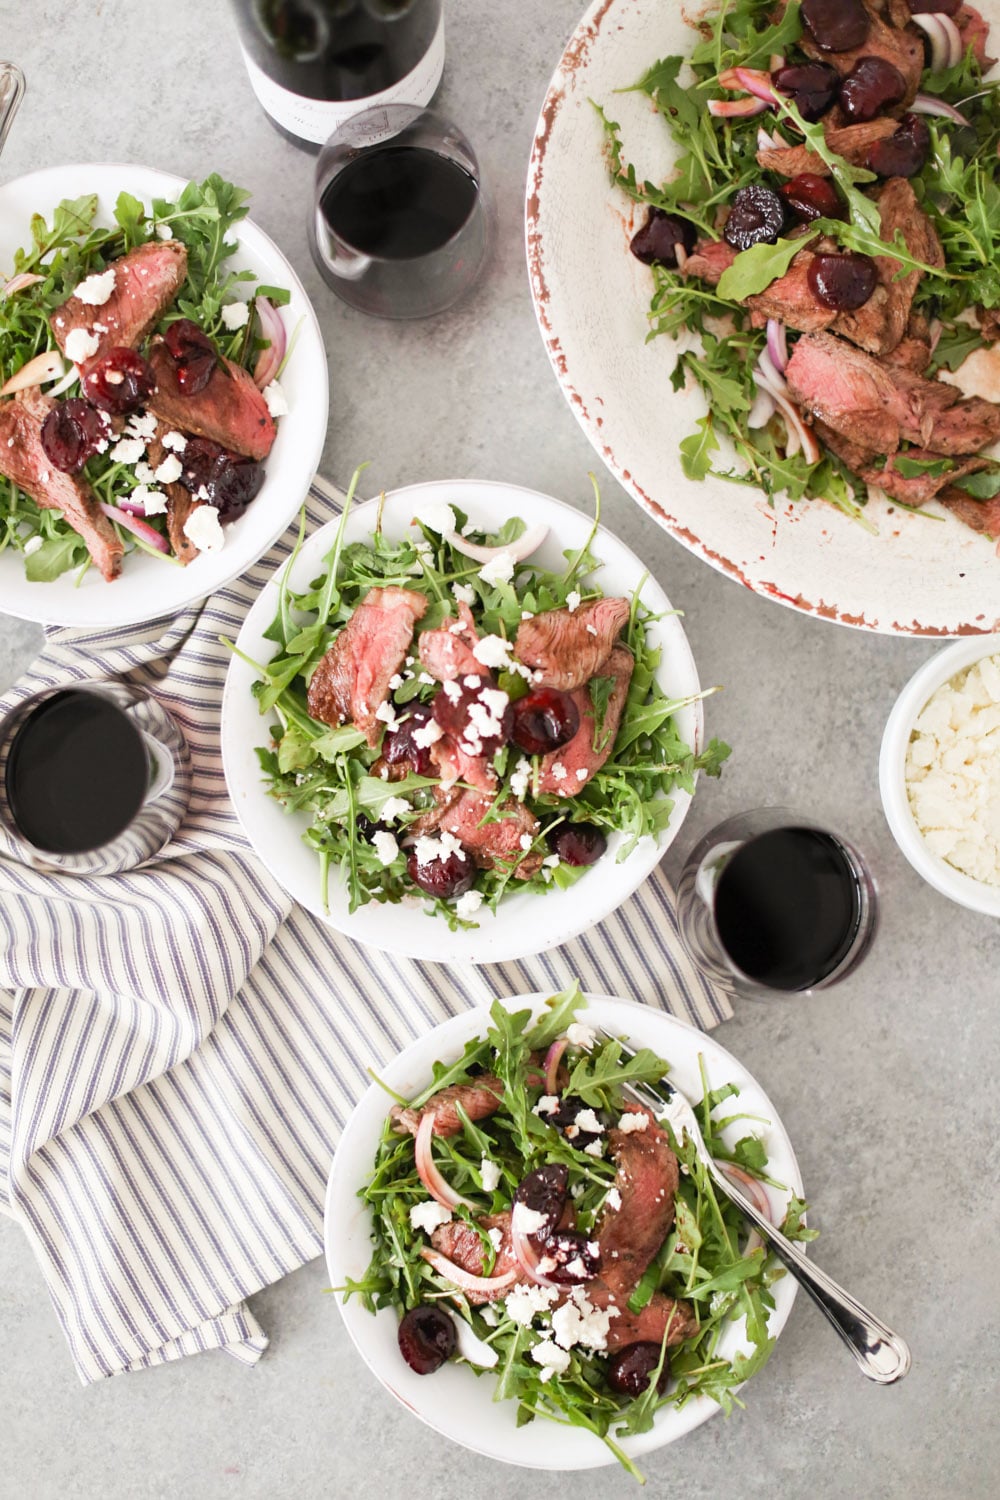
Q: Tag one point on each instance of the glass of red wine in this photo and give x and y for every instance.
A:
(95, 779)
(400, 226)
(771, 903)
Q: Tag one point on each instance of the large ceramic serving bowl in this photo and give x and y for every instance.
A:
(152, 587)
(525, 923)
(454, 1401)
(591, 297)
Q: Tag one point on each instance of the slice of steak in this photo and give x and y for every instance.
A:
(975, 32)
(709, 259)
(479, 1100)
(351, 682)
(880, 324)
(446, 653)
(461, 814)
(559, 774)
(460, 1243)
(452, 763)
(982, 515)
(648, 1326)
(230, 410)
(903, 48)
(567, 647)
(147, 280)
(917, 489)
(24, 460)
(791, 299)
(180, 501)
(912, 354)
(852, 142)
(632, 1236)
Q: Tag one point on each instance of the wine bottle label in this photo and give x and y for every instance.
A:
(316, 119)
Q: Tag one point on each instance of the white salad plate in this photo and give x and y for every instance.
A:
(151, 587)
(455, 1401)
(525, 923)
(591, 298)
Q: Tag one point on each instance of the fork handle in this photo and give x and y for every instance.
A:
(11, 94)
(881, 1354)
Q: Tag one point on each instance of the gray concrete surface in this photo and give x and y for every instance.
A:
(886, 1083)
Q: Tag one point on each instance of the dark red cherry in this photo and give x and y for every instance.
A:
(813, 197)
(659, 237)
(470, 709)
(193, 353)
(570, 1257)
(119, 381)
(812, 87)
(226, 480)
(836, 25)
(544, 720)
(757, 215)
(843, 282)
(399, 747)
(564, 1119)
(543, 1191)
(904, 153)
(578, 843)
(72, 432)
(629, 1370)
(872, 86)
(444, 878)
(427, 1338)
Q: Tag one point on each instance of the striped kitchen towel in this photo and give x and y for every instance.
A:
(180, 1046)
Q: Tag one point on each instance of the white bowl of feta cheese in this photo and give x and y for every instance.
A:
(939, 773)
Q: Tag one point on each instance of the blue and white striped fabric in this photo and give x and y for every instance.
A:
(180, 1046)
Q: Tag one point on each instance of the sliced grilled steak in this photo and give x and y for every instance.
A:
(982, 515)
(880, 324)
(479, 1100)
(452, 763)
(180, 501)
(23, 460)
(631, 1236)
(230, 410)
(876, 407)
(650, 1324)
(791, 299)
(446, 653)
(903, 48)
(567, 648)
(351, 681)
(460, 1243)
(913, 354)
(852, 142)
(917, 489)
(974, 31)
(709, 259)
(559, 773)
(147, 280)
(461, 813)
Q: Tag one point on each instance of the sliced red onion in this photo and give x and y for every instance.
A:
(69, 379)
(681, 257)
(799, 434)
(756, 82)
(765, 142)
(527, 1256)
(44, 367)
(926, 104)
(273, 328)
(777, 344)
(552, 1060)
(777, 61)
(19, 283)
(465, 1280)
(762, 411)
(526, 544)
(736, 109)
(138, 528)
(930, 24)
(935, 329)
(132, 506)
(427, 1169)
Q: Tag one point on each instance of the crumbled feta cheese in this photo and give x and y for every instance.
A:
(579, 1035)
(393, 808)
(527, 614)
(437, 516)
(429, 1215)
(573, 600)
(489, 1315)
(175, 441)
(582, 773)
(594, 1149)
(633, 1121)
(554, 1361)
(589, 1123)
(613, 1199)
(153, 502)
(275, 400)
(428, 849)
(495, 1236)
(525, 1300)
(235, 315)
(472, 681)
(96, 290)
(170, 470)
(547, 1105)
(142, 425)
(128, 451)
(164, 232)
(395, 681)
(428, 734)
(558, 771)
(527, 1220)
(492, 651)
(591, 629)
(464, 593)
(385, 846)
(469, 904)
(551, 860)
(452, 691)
(499, 569)
(145, 475)
(520, 778)
(526, 841)
(578, 1321)
(80, 345)
(387, 714)
(32, 545)
(490, 1174)
(203, 528)
(424, 677)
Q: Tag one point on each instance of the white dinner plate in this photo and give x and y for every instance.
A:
(592, 296)
(150, 587)
(524, 923)
(454, 1401)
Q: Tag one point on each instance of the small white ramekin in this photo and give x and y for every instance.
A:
(892, 774)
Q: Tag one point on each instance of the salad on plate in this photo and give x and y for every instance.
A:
(826, 250)
(138, 386)
(530, 1218)
(460, 722)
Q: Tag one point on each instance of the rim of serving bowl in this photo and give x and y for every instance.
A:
(945, 878)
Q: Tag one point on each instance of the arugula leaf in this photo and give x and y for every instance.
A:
(696, 451)
(864, 213)
(55, 556)
(753, 270)
(982, 486)
(912, 468)
(603, 1069)
(562, 1009)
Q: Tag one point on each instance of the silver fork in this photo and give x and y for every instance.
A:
(881, 1354)
(11, 94)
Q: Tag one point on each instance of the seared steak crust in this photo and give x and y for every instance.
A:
(559, 772)
(230, 410)
(479, 1100)
(351, 681)
(567, 647)
(147, 279)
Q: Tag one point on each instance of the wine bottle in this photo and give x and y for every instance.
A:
(315, 63)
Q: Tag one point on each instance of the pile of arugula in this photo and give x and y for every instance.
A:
(328, 774)
(957, 188)
(67, 251)
(701, 1259)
